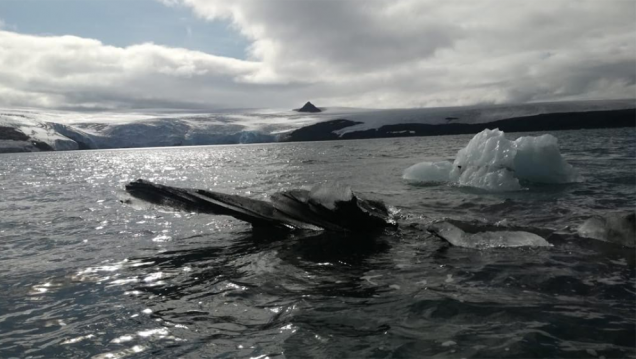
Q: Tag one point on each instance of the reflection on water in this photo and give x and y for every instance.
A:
(85, 275)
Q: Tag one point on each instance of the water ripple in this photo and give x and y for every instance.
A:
(86, 274)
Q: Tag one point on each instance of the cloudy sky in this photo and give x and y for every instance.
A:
(215, 54)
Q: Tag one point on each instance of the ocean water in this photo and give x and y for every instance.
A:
(84, 275)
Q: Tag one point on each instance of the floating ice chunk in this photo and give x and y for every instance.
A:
(539, 160)
(492, 162)
(488, 178)
(485, 240)
(615, 227)
(429, 172)
(327, 194)
(489, 148)
(487, 162)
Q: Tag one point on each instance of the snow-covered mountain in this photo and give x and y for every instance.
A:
(32, 130)
(71, 131)
(475, 114)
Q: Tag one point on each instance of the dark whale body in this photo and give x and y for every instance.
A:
(293, 209)
(300, 209)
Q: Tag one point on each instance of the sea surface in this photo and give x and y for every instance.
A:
(83, 275)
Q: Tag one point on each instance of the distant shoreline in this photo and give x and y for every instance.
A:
(324, 131)
(66, 138)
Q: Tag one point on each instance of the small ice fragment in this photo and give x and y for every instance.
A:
(448, 343)
(612, 227)
(592, 352)
(485, 240)
(394, 286)
(433, 172)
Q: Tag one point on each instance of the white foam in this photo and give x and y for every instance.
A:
(492, 162)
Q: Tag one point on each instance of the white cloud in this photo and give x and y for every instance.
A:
(414, 52)
(70, 71)
(375, 53)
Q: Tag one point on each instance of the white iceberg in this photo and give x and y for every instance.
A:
(492, 162)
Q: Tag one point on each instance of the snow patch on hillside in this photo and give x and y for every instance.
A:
(75, 130)
(474, 114)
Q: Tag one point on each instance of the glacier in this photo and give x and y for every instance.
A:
(71, 131)
(492, 162)
(67, 130)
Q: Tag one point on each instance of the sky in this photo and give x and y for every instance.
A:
(133, 55)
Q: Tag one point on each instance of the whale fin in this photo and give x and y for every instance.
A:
(298, 205)
(294, 209)
(258, 213)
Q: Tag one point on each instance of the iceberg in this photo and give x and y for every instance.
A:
(27, 131)
(617, 228)
(492, 162)
(429, 172)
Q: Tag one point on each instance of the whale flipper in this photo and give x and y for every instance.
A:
(258, 213)
(355, 214)
(296, 204)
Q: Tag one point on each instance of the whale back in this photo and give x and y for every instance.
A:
(292, 209)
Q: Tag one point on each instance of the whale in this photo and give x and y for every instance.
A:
(330, 208)
(337, 210)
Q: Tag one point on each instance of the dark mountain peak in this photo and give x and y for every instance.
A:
(309, 107)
